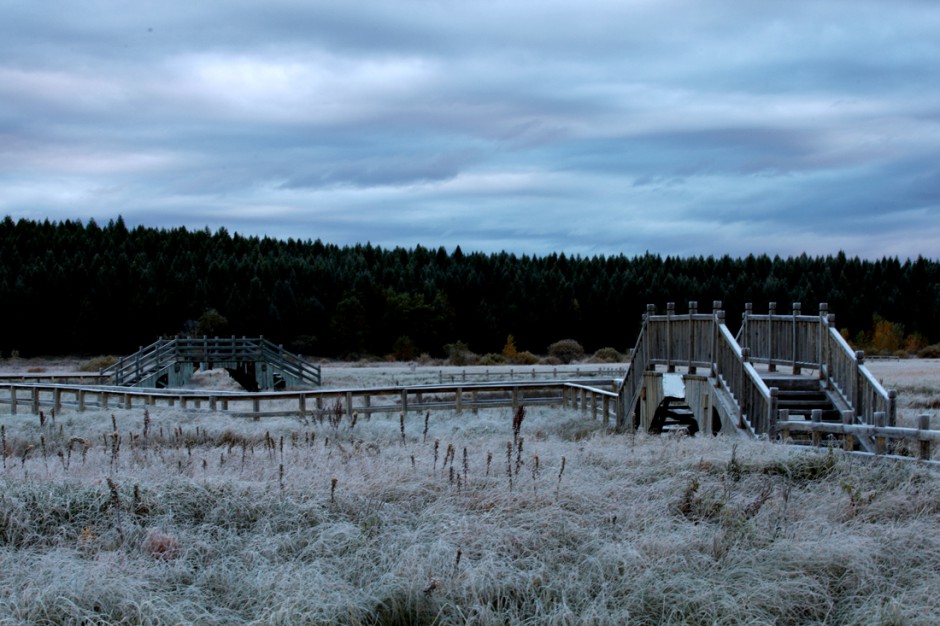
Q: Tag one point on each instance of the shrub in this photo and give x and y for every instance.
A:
(526, 358)
(97, 363)
(930, 352)
(459, 354)
(566, 350)
(492, 359)
(550, 360)
(607, 355)
(404, 348)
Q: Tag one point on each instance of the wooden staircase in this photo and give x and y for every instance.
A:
(776, 367)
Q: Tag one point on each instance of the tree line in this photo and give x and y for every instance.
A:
(68, 287)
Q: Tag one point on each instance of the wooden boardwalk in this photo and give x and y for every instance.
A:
(789, 378)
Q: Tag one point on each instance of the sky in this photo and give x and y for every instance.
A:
(676, 127)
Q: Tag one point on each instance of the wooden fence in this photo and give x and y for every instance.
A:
(914, 442)
(600, 403)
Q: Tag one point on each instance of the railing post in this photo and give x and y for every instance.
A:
(748, 310)
(650, 310)
(796, 313)
(693, 309)
(771, 312)
(772, 414)
(822, 351)
(923, 425)
(848, 420)
(816, 416)
(783, 415)
(670, 311)
(880, 439)
(892, 407)
(857, 395)
(717, 319)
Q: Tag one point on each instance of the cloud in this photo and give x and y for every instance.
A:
(598, 127)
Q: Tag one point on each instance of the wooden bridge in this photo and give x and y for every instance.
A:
(783, 374)
(255, 363)
(787, 377)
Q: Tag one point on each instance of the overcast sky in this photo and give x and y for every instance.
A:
(534, 126)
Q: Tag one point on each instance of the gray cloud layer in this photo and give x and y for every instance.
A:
(678, 127)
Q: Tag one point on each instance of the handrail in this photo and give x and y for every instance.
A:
(632, 380)
(753, 398)
(846, 374)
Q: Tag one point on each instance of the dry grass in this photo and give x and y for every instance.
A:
(211, 520)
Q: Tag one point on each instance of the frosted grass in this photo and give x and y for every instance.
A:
(238, 521)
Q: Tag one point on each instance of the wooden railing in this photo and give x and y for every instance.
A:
(600, 403)
(755, 405)
(808, 341)
(792, 340)
(888, 440)
(633, 380)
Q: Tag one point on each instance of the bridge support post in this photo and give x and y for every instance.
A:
(651, 395)
(12, 400)
(693, 310)
(458, 401)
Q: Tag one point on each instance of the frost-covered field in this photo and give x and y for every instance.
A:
(201, 518)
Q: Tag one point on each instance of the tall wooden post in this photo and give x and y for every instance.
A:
(857, 392)
(822, 347)
(796, 341)
(745, 318)
(718, 315)
(693, 310)
(771, 312)
(670, 312)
